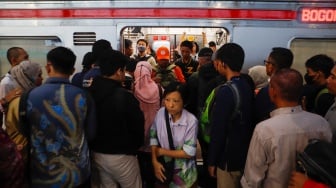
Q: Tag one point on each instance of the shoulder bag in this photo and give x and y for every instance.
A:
(168, 165)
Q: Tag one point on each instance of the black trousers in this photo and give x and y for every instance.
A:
(146, 169)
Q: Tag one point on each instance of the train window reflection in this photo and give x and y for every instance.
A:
(304, 48)
(36, 47)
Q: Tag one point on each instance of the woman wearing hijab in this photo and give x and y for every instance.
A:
(148, 94)
(11, 163)
(28, 75)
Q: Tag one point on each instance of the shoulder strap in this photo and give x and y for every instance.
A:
(236, 97)
(171, 67)
(23, 121)
(170, 137)
(25, 128)
(322, 91)
(160, 93)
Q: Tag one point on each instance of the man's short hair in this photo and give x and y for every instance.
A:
(211, 43)
(282, 57)
(13, 52)
(205, 52)
(289, 83)
(110, 61)
(232, 55)
(143, 40)
(62, 59)
(321, 63)
(127, 43)
(87, 60)
(187, 44)
(197, 46)
(99, 47)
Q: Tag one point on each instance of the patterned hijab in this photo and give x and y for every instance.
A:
(25, 74)
(145, 89)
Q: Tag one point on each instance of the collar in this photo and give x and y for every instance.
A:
(57, 80)
(235, 78)
(181, 122)
(188, 62)
(286, 110)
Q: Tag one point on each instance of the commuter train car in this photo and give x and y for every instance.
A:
(306, 27)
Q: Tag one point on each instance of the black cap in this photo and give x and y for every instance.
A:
(205, 52)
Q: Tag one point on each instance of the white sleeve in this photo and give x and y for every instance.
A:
(256, 163)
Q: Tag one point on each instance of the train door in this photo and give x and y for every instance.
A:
(172, 36)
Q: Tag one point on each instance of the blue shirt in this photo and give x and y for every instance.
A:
(77, 79)
(90, 75)
(60, 115)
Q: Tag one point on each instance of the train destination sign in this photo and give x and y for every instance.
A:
(317, 15)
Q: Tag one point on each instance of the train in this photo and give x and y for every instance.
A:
(307, 27)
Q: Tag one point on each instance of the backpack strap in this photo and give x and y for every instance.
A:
(321, 92)
(236, 111)
(23, 121)
(236, 97)
(25, 128)
(144, 58)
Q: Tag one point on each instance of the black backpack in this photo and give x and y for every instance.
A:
(318, 161)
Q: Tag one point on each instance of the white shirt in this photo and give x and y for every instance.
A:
(7, 84)
(275, 141)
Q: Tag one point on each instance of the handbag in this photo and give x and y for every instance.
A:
(168, 165)
(318, 161)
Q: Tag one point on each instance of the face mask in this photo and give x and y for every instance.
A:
(308, 79)
(141, 48)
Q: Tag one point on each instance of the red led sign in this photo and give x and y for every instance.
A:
(317, 15)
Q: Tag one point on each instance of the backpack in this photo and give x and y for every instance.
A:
(318, 161)
(167, 75)
(204, 121)
(144, 58)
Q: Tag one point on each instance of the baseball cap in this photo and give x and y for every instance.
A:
(162, 53)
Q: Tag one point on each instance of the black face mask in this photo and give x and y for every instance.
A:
(308, 79)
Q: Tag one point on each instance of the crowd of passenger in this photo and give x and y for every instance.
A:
(110, 124)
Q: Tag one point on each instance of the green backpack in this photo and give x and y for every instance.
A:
(204, 121)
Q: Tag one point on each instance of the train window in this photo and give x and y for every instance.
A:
(304, 48)
(172, 36)
(36, 47)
